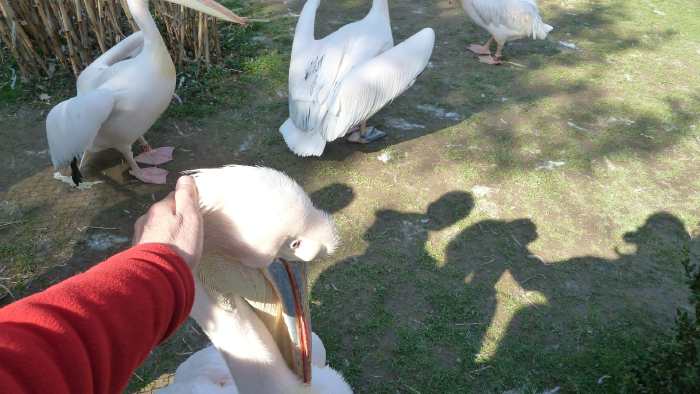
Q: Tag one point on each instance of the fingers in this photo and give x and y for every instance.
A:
(164, 206)
(186, 196)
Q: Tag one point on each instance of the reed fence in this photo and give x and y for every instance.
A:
(43, 35)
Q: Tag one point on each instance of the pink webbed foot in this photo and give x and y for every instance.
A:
(156, 156)
(495, 61)
(154, 175)
(479, 49)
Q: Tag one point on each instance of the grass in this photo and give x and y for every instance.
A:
(529, 243)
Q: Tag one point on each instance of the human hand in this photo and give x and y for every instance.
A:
(175, 221)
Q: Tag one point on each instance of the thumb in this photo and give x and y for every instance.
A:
(186, 195)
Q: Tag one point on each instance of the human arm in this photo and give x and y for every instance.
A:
(89, 333)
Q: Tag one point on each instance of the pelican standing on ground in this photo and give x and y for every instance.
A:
(260, 230)
(120, 96)
(505, 20)
(340, 81)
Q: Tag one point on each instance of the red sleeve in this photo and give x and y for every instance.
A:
(89, 333)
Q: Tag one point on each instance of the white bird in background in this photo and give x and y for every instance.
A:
(506, 20)
(120, 96)
(340, 81)
(251, 288)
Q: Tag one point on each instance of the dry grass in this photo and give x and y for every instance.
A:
(44, 34)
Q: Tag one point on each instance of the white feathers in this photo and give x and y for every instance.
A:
(249, 212)
(204, 372)
(99, 70)
(119, 96)
(73, 125)
(507, 20)
(372, 85)
(305, 143)
(248, 352)
(343, 79)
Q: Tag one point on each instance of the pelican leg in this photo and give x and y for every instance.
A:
(153, 175)
(365, 135)
(144, 144)
(482, 50)
(496, 59)
(499, 50)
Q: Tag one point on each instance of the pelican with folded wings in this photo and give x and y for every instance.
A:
(120, 96)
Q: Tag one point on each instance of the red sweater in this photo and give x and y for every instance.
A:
(89, 333)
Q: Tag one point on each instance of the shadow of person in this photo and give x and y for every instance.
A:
(538, 319)
(406, 234)
(484, 260)
(384, 294)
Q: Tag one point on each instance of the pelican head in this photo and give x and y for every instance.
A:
(212, 8)
(261, 230)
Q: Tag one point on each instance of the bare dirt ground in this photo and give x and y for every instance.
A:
(518, 231)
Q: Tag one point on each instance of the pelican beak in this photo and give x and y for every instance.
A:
(288, 279)
(211, 7)
(278, 296)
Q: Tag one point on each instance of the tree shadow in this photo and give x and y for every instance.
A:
(333, 198)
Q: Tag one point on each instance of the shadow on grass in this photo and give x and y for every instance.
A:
(495, 316)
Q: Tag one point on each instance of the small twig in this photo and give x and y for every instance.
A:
(483, 231)
(7, 289)
(188, 345)
(533, 277)
(516, 64)
(13, 79)
(468, 324)
(412, 389)
(3, 225)
(138, 377)
(516, 240)
(81, 229)
(536, 257)
(485, 367)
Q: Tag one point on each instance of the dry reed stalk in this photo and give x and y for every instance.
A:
(72, 33)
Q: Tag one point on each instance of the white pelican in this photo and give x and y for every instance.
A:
(251, 298)
(506, 20)
(206, 371)
(120, 96)
(340, 81)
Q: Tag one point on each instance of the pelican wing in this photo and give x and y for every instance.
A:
(73, 124)
(99, 70)
(318, 66)
(373, 84)
(518, 15)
